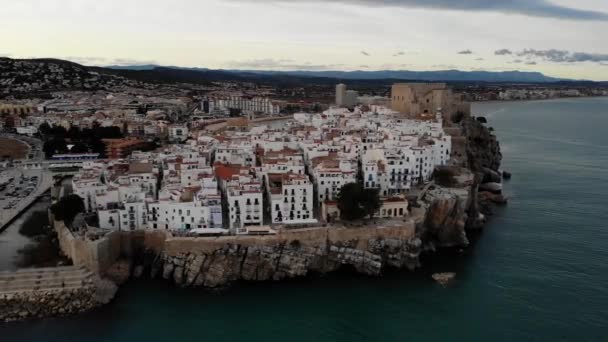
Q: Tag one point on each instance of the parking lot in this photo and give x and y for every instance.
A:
(17, 190)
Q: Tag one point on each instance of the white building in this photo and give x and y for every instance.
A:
(178, 133)
(340, 94)
(351, 98)
(291, 198)
(245, 103)
(244, 196)
(330, 174)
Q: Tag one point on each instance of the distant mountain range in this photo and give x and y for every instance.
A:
(443, 75)
(24, 77)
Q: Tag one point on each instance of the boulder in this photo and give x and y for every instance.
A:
(486, 197)
(105, 290)
(446, 216)
(495, 188)
(138, 271)
(444, 279)
(491, 176)
(119, 272)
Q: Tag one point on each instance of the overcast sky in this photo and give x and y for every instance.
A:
(564, 38)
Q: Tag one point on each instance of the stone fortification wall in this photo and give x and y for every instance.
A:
(96, 255)
(212, 262)
(311, 237)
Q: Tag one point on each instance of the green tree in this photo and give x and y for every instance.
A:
(54, 146)
(67, 208)
(44, 128)
(58, 132)
(79, 147)
(444, 176)
(348, 202)
(356, 203)
(370, 201)
(73, 133)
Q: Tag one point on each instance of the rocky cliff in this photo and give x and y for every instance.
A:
(285, 259)
(450, 212)
(483, 149)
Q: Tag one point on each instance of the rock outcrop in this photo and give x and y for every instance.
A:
(286, 260)
(483, 149)
(53, 302)
(447, 214)
(41, 304)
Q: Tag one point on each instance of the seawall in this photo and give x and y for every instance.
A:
(219, 261)
(50, 292)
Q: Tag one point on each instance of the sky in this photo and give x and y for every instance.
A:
(561, 38)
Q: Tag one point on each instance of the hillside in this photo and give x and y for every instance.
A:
(37, 77)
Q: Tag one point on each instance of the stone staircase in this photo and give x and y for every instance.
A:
(45, 279)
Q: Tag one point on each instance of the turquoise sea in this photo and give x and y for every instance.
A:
(538, 272)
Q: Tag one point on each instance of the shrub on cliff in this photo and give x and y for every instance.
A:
(67, 208)
(444, 176)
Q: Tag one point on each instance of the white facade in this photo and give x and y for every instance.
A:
(245, 205)
(235, 154)
(244, 103)
(178, 132)
(291, 197)
(330, 176)
(340, 94)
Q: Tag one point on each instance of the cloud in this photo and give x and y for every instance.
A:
(108, 61)
(445, 66)
(516, 61)
(533, 8)
(365, 53)
(531, 63)
(563, 56)
(479, 59)
(400, 53)
(280, 64)
(465, 52)
(503, 52)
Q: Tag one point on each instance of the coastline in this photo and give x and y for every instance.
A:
(541, 100)
(441, 217)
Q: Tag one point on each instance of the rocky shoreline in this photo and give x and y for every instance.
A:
(44, 299)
